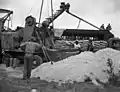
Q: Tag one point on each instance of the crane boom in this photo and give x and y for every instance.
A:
(82, 19)
(3, 19)
(63, 8)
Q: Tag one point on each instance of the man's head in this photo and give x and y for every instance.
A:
(30, 21)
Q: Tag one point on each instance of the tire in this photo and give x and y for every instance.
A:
(6, 59)
(37, 61)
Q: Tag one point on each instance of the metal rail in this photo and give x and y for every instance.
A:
(82, 20)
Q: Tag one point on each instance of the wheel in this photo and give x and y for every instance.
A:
(6, 59)
(37, 61)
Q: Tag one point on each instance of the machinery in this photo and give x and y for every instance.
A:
(4, 18)
(39, 32)
(102, 35)
(5, 14)
(42, 33)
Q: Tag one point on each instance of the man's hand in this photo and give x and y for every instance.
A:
(17, 47)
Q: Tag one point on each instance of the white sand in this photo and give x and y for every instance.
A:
(75, 68)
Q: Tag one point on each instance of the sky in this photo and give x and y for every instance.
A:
(97, 12)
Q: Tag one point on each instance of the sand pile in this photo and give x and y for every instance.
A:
(76, 68)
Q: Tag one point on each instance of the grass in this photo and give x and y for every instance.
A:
(114, 79)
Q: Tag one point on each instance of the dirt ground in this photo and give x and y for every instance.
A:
(12, 84)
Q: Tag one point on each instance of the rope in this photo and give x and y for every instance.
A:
(78, 23)
(41, 12)
(48, 8)
(52, 12)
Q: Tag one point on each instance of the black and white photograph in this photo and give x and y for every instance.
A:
(59, 45)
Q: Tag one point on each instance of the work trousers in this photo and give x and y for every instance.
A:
(28, 61)
(1, 53)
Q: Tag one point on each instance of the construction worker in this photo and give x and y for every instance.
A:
(90, 46)
(1, 28)
(109, 27)
(77, 46)
(30, 47)
(48, 38)
(102, 27)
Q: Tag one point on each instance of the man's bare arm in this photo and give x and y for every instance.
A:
(23, 44)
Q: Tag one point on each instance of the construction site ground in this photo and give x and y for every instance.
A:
(12, 84)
